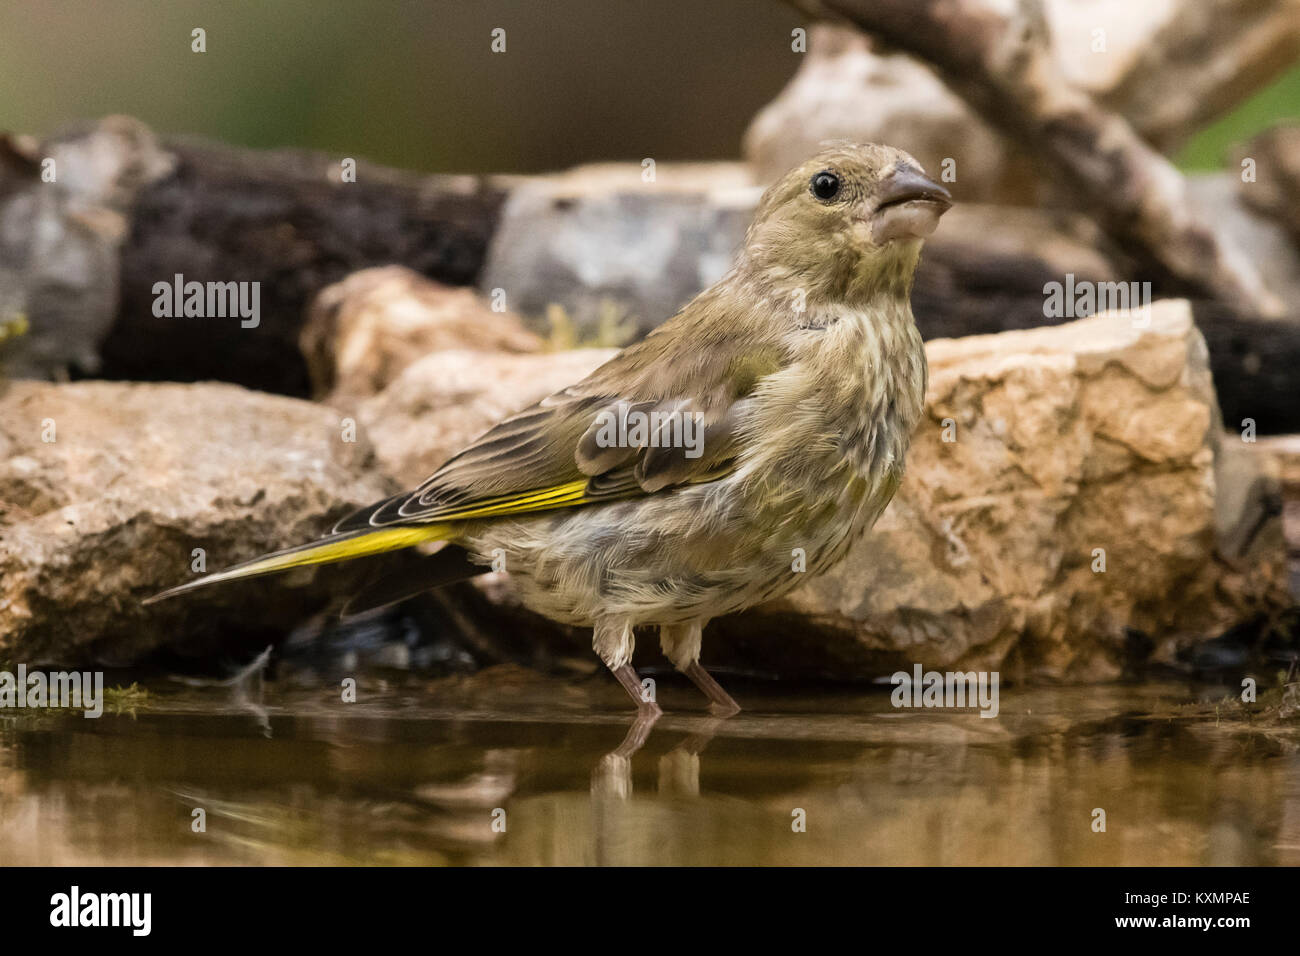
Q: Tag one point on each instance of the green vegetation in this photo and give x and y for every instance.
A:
(615, 328)
(10, 329)
(1274, 104)
(119, 700)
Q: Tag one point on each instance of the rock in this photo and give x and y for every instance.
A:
(445, 400)
(108, 488)
(846, 89)
(618, 255)
(1091, 435)
(986, 268)
(1091, 439)
(1058, 242)
(362, 332)
(1072, 442)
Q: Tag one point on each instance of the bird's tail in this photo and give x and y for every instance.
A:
(339, 547)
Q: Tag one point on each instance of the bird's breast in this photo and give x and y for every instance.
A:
(830, 432)
(872, 381)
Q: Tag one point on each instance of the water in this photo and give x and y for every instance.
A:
(417, 771)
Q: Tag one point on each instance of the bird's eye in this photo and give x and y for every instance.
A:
(826, 185)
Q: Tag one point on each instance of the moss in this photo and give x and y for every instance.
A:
(12, 328)
(615, 327)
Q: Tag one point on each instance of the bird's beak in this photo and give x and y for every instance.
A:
(908, 205)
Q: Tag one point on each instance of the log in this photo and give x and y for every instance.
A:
(286, 220)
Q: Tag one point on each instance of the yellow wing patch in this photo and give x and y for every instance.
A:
(560, 496)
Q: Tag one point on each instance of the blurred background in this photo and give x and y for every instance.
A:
(414, 85)
(409, 84)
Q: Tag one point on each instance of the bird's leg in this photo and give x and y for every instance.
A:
(613, 643)
(720, 702)
(681, 645)
(645, 705)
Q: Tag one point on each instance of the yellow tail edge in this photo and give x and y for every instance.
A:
(343, 547)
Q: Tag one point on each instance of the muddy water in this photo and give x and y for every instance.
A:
(511, 768)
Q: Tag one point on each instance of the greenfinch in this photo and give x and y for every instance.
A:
(742, 445)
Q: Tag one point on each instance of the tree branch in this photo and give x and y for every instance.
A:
(1003, 68)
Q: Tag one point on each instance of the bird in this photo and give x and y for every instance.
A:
(739, 448)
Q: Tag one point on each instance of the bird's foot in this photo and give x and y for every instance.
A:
(730, 709)
(721, 704)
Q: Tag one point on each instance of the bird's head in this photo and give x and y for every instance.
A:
(848, 223)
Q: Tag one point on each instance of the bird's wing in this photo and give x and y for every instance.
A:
(555, 454)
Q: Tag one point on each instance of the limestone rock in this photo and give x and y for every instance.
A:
(107, 489)
(362, 332)
(1099, 436)
(1096, 441)
(1075, 448)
